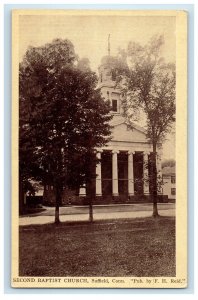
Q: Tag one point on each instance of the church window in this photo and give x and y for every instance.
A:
(173, 191)
(114, 105)
(172, 179)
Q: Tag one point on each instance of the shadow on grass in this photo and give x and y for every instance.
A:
(75, 224)
(32, 211)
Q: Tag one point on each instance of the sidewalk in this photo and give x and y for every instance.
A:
(76, 213)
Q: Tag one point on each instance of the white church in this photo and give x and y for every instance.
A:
(123, 172)
(124, 160)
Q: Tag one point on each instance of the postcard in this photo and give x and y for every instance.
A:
(99, 149)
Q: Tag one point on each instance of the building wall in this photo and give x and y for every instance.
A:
(169, 186)
(110, 93)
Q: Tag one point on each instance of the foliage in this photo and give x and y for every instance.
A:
(62, 115)
(149, 92)
(150, 88)
(168, 163)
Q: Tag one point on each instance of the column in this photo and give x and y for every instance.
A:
(130, 174)
(98, 175)
(115, 173)
(146, 175)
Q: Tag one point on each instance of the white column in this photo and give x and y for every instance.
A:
(130, 174)
(115, 173)
(98, 176)
(145, 171)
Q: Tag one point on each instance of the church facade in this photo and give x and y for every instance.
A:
(123, 172)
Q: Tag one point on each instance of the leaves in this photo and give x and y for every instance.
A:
(149, 88)
(62, 115)
(149, 91)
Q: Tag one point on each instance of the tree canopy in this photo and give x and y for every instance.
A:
(62, 115)
(149, 87)
(148, 90)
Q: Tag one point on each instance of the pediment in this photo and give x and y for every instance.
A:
(122, 132)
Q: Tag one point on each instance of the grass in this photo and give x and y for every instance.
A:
(136, 247)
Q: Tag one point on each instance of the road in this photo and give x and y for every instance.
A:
(105, 212)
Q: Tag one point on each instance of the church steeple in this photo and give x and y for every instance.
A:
(106, 69)
(107, 81)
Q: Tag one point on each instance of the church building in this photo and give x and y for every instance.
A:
(122, 176)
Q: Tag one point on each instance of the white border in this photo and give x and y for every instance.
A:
(175, 296)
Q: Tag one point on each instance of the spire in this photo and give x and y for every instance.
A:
(109, 44)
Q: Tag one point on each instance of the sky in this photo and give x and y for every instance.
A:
(89, 35)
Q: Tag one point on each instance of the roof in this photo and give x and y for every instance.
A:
(168, 171)
(118, 120)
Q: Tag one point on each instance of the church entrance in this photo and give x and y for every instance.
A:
(123, 173)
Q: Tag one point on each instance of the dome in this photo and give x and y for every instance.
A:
(107, 69)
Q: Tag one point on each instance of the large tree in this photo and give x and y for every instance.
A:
(148, 85)
(62, 116)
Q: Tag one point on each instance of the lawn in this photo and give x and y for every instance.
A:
(135, 247)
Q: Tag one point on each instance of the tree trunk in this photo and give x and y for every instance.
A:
(155, 208)
(89, 188)
(57, 219)
(58, 199)
(90, 210)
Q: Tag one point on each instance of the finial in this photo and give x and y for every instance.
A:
(109, 44)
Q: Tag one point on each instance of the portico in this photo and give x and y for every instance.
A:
(121, 173)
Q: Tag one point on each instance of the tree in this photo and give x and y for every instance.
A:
(149, 92)
(28, 166)
(168, 163)
(62, 116)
